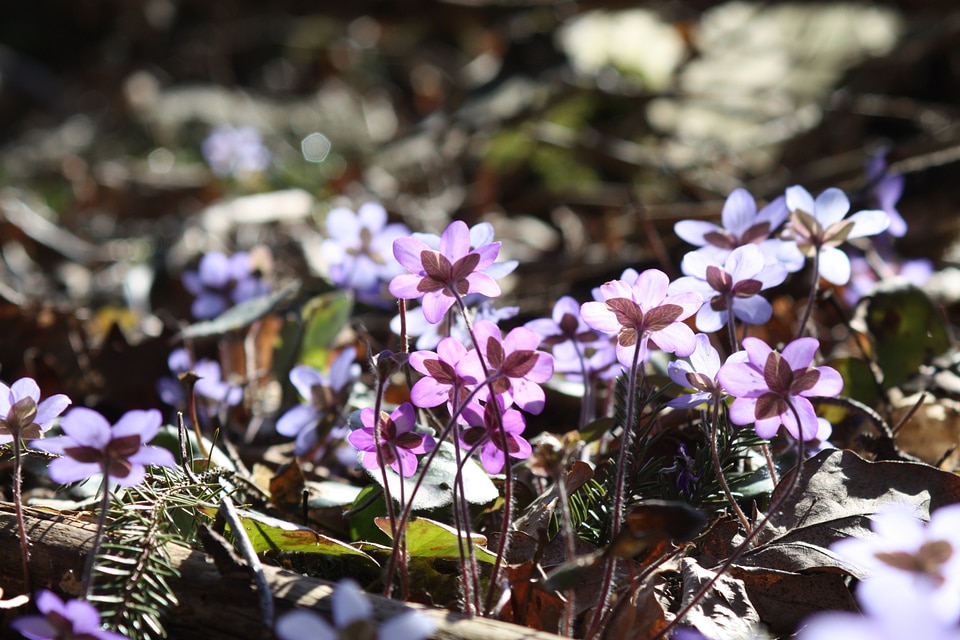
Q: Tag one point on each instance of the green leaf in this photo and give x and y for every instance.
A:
(240, 316)
(431, 539)
(273, 534)
(436, 490)
(323, 317)
(907, 329)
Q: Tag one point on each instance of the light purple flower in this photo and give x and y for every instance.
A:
(741, 225)
(484, 433)
(907, 554)
(863, 278)
(235, 151)
(90, 446)
(481, 234)
(399, 442)
(211, 385)
(821, 225)
(700, 374)
(220, 282)
(326, 396)
(359, 251)
(443, 379)
(514, 365)
(430, 334)
(441, 276)
(170, 388)
(641, 312)
(352, 617)
(600, 359)
(771, 389)
(885, 191)
(23, 415)
(566, 334)
(732, 284)
(70, 620)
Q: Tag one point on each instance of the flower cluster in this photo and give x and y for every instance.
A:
(221, 282)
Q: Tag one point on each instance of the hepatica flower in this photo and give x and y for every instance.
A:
(359, 251)
(515, 366)
(771, 389)
(23, 415)
(741, 224)
(818, 227)
(484, 433)
(71, 620)
(566, 334)
(399, 443)
(885, 191)
(235, 151)
(700, 374)
(444, 380)
(729, 286)
(352, 618)
(906, 554)
(90, 446)
(442, 275)
(326, 396)
(642, 312)
(221, 282)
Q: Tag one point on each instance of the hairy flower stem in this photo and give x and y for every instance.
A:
(775, 506)
(569, 536)
(18, 507)
(715, 453)
(97, 538)
(814, 288)
(771, 466)
(616, 513)
(734, 343)
(398, 536)
(587, 407)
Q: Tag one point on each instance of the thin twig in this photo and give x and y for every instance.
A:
(253, 561)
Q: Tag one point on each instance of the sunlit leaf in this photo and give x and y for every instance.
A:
(430, 539)
(323, 318)
(241, 315)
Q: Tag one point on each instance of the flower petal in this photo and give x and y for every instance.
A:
(693, 231)
(831, 206)
(86, 427)
(834, 266)
(302, 623)
(799, 199)
(868, 223)
(349, 604)
(739, 212)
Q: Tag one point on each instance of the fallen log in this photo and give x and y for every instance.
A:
(211, 607)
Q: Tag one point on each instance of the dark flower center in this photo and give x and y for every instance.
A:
(928, 560)
(19, 421)
(444, 276)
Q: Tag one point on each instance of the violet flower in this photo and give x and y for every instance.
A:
(326, 396)
(700, 374)
(443, 379)
(885, 191)
(429, 334)
(23, 415)
(566, 334)
(906, 554)
(399, 442)
(642, 312)
(221, 282)
(818, 227)
(59, 620)
(729, 285)
(211, 385)
(484, 433)
(441, 276)
(90, 446)
(741, 224)
(771, 389)
(170, 388)
(359, 251)
(352, 618)
(481, 234)
(514, 367)
(235, 151)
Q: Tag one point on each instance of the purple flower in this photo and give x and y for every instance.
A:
(906, 554)
(23, 415)
(399, 441)
(443, 379)
(71, 620)
(771, 389)
(441, 276)
(481, 234)
(235, 151)
(515, 367)
(643, 311)
(326, 398)
(359, 250)
(352, 617)
(92, 446)
(820, 226)
(484, 433)
(220, 282)
(863, 278)
(566, 334)
(730, 285)
(700, 374)
(210, 385)
(170, 388)
(885, 191)
(741, 225)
